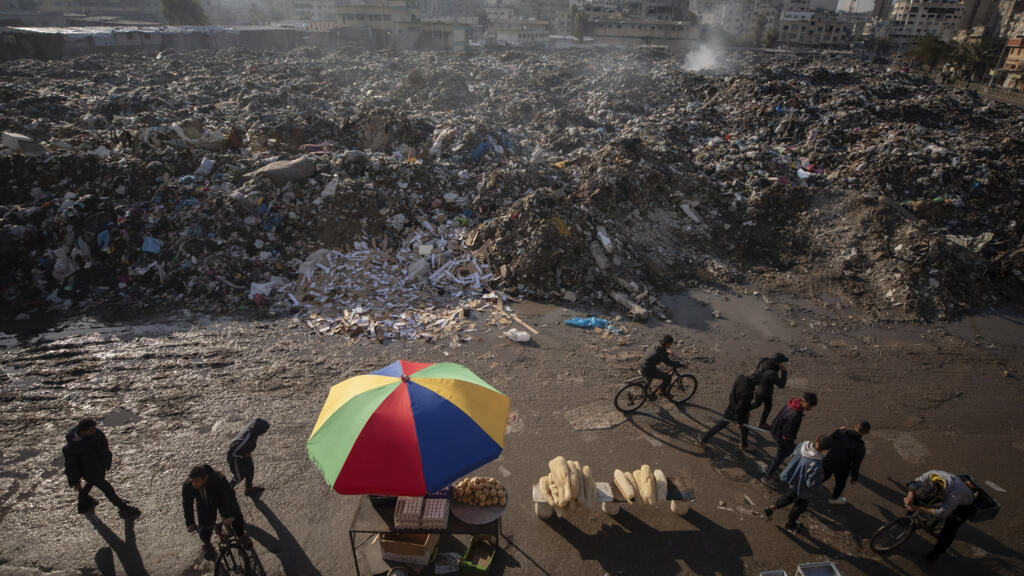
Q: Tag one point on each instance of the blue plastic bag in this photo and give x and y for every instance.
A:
(592, 322)
(480, 150)
(152, 245)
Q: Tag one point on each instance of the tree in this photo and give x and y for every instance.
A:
(987, 54)
(183, 13)
(928, 51)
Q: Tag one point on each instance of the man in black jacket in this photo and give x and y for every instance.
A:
(660, 355)
(786, 426)
(771, 373)
(240, 455)
(844, 459)
(207, 492)
(87, 457)
(738, 411)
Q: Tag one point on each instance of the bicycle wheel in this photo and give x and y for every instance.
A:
(233, 561)
(684, 386)
(631, 397)
(892, 534)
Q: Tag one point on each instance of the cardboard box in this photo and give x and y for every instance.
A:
(416, 549)
(478, 557)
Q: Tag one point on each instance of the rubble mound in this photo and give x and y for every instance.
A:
(342, 187)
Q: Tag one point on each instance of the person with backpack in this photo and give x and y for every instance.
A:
(87, 457)
(660, 355)
(240, 455)
(771, 373)
(844, 459)
(784, 429)
(803, 474)
(737, 411)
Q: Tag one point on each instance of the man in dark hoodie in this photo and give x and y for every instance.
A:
(87, 457)
(660, 355)
(240, 455)
(738, 411)
(207, 492)
(771, 373)
(845, 457)
(785, 427)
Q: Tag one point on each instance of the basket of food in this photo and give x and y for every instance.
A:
(478, 500)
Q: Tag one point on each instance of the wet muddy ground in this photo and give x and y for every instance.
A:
(173, 390)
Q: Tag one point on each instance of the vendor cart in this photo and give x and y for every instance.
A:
(377, 516)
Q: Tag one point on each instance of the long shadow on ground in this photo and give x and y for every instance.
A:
(630, 546)
(294, 560)
(126, 550)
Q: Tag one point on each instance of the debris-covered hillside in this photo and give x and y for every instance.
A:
(381, 192)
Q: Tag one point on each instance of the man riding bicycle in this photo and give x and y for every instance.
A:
(660, 355)
(941, 496)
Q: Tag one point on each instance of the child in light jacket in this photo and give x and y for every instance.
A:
(803, 474)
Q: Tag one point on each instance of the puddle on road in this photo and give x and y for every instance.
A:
(1004, 329)
(696, 310)
(540, 313)
(120, 417)
(689, 312)
(39, 331)
(597, 415)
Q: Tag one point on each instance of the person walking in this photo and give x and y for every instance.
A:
(660, 355)
(844, 459)
(737, 411)
(87, 458)
(207, 492)
(771, 373)
(803, 474)
(784, 429)
(240, 455)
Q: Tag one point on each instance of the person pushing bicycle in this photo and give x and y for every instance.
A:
(207, 492)
(942, 496)
(662, 354)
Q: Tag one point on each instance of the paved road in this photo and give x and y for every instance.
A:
(173, 393)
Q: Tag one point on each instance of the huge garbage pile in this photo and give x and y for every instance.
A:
(376, 193)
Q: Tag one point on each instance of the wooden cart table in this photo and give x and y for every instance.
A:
(371, 518)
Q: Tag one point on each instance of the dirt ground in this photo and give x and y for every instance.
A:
(172, 391)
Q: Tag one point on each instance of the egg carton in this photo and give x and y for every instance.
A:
(408, 511)
(435, 514)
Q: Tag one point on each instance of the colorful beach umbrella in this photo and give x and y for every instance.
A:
(407, 429)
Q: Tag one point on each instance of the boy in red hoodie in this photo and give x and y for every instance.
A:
(786, 426)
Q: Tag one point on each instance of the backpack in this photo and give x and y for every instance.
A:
(742, 383)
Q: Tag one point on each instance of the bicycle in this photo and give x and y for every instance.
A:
(897, 531)
(232, 556)
(639, 390)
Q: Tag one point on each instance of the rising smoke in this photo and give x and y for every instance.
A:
(703, 57)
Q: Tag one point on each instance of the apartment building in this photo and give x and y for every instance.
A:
(913, 19)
